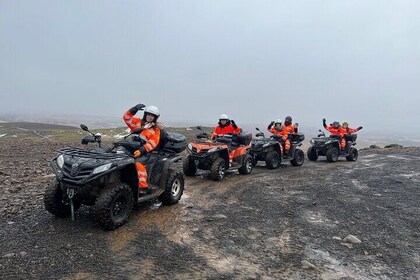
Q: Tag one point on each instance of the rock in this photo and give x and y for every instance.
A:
(308, 265)
(10, 255)
(351, 239)
(348, 245)
(374, 147)
(220, 217)
(393, 146)
(23, 254)
(10, 223)
(336, 238)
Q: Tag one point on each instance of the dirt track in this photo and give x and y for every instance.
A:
(258, 226)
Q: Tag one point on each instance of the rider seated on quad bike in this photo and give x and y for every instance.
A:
(277, 128)
(340, 131)
(349, 130)
(225, 126)
(149, 136)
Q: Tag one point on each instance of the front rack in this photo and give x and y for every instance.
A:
(91, 154)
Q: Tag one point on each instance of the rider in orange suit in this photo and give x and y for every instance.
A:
(150, 136)
(336, 129)
(284, 130)
(225, 126)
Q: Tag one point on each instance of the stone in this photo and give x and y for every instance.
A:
(351, 239)
(308, 265)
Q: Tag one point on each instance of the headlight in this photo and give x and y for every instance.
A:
(102, 168)
(328, 142)
(60, 161)
(189, 146)
(312, 141)
(212, 150)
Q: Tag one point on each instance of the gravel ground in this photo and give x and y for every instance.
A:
(288, 223)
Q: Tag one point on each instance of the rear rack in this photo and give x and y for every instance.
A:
(91, 154)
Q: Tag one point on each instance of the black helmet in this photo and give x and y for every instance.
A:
(288, 120)
(336, 124)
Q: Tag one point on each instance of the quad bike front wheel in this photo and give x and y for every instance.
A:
(56, 202)
(272, 160)
(114, 206)
(218, 169)
(247, 166)
(189, 166)
(353, 154)
(299, 158)
(312, 154)
(254, 160)
(332, 154)
(174, 188)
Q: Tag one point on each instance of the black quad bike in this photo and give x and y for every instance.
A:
(107, 178)
(330, 147)
(225, 153)
(270, 149)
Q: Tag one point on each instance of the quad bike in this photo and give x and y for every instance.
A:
(271, 149)
(330, 147)
(225, 153)
(107, 178)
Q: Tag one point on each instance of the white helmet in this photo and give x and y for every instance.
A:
(277, 121)
(223, 117)
(152, 110)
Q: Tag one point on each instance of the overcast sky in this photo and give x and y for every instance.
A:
(253, 60)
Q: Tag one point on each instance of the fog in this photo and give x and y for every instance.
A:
(253, 60)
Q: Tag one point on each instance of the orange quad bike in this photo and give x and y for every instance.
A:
(225, 153)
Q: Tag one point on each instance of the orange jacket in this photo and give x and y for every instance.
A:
(289, 128)
(286, 130)
(150, 135)
(273, 130)
(335, 131)
(350, 130)
(225, 130)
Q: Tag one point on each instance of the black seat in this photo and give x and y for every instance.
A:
(163, 140)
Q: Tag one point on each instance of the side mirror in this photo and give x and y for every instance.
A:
(257, 128)
(84, 127)
(199, 128)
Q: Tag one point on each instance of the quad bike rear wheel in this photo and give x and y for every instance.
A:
(299, 158)
(353, 154)
(312, 154)
(114, 206)
(332, 154)
(246, 167)
(272, 160)
(189, 166)
(218, 169)
(56, 202)
(174, 188)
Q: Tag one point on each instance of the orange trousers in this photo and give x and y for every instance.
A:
(141, 173)
(286, 143)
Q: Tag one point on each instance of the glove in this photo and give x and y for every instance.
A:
(136, 108)
(137, 153)
(233, 124)
(270, 125)
(296, 124)
(324, 122)
(360, 127)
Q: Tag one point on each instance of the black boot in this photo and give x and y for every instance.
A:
(144, 191)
